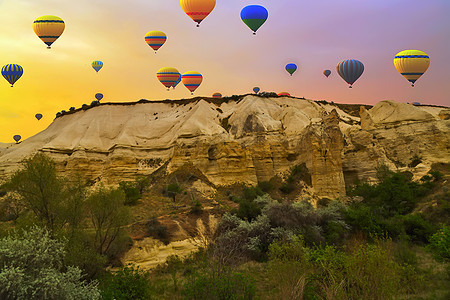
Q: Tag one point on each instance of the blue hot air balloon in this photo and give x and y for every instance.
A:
(291, 68)
(256, 89)
(12, 73)
(326, 73)
(99, 96)
(254, 16)
(17, 138)
(38, 116)
(350, 70)
(97, 65)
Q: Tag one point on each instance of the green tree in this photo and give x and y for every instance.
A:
(108, 215)
(32, 267)
(128, 283)
(172, 190)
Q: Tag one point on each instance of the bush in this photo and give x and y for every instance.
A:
(440, 244)
(225, 285)
(196, 207)
(265, 186)
(172, 190)
(132, 194)
(128, 283)
(158, 231)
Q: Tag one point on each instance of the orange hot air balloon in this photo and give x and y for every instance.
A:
(284, 94)
(168, 76)
(197, 10)
(192, 80)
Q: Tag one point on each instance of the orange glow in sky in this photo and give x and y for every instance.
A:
(316, 35)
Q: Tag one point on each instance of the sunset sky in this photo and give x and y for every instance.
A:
(314, 34)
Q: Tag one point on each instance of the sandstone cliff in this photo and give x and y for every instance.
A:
(248, 139)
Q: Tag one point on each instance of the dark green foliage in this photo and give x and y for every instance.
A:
(287, 188)
(158, 231)
(265, 186)
(225, 285)
(128, 283)
(196, 207)
(132, 193)
(142, 182)
(417, 228)
(172, 190)
(440, 244)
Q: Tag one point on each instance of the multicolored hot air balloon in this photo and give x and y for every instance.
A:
(17, 138)
(291, 68)
(38, 116)
(168, 76)
(177, 82)
(217, 95)
(411, 64)
(256, 90)
(284, 94)
(254, 16)
(97, 65)
(12, 73)
(350, 70)
(327, 73)
(197, 10)
(99, 96)
(155, 39)
(48, 29)
(192, 80)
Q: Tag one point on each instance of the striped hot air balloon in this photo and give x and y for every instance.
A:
(177, 82)
(284, 94)
(48, 29)
(217, 95)
(192, 80)
(291, 68)
(155, 39)
(168, 76)
(12, 73)
(350, 70)
(327, 73)
(256, 90)
(97, 65)
(197, 10)
(411, 64)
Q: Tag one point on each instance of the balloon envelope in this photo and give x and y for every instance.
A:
(17, 138)
(192, 80)
(254, 16)
(48, 29)
(155, 39)
(197, 10)
(177, 82)
(256, 90)
(327, 73)
(99, 96)
(217, 95)
(291, 68)
(168, 76)
(38, 116)
(411, 64)
(97, 65)
(350, 70)
(284, 94)
(12, 73)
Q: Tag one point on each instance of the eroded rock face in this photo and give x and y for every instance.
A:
(248, 140)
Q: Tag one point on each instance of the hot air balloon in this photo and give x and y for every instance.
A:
(254, 16)
(48, 29)
(17, 138)
(168, 76)
(97, 65)
(284, 94)
(177, 82)
(411, 64)
(155, 39)
(256, 90)
(12, 73)
(192, 80)
(350, 70)
(99, 96)
(291, 68)
(197, 10)
(217, 95)
(327, 73)
(38, 116)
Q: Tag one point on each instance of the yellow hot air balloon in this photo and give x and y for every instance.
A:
(192, 80)
(48, 28)
(197, 10)
(411, 64)
(168, 76)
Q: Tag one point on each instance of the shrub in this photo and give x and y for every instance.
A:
(128, 283)
(158, 231)
(265, 186)
(417, 228)
(172, 190)
(440, 244)
(132, 194)
(225, 285)
(196, 207)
